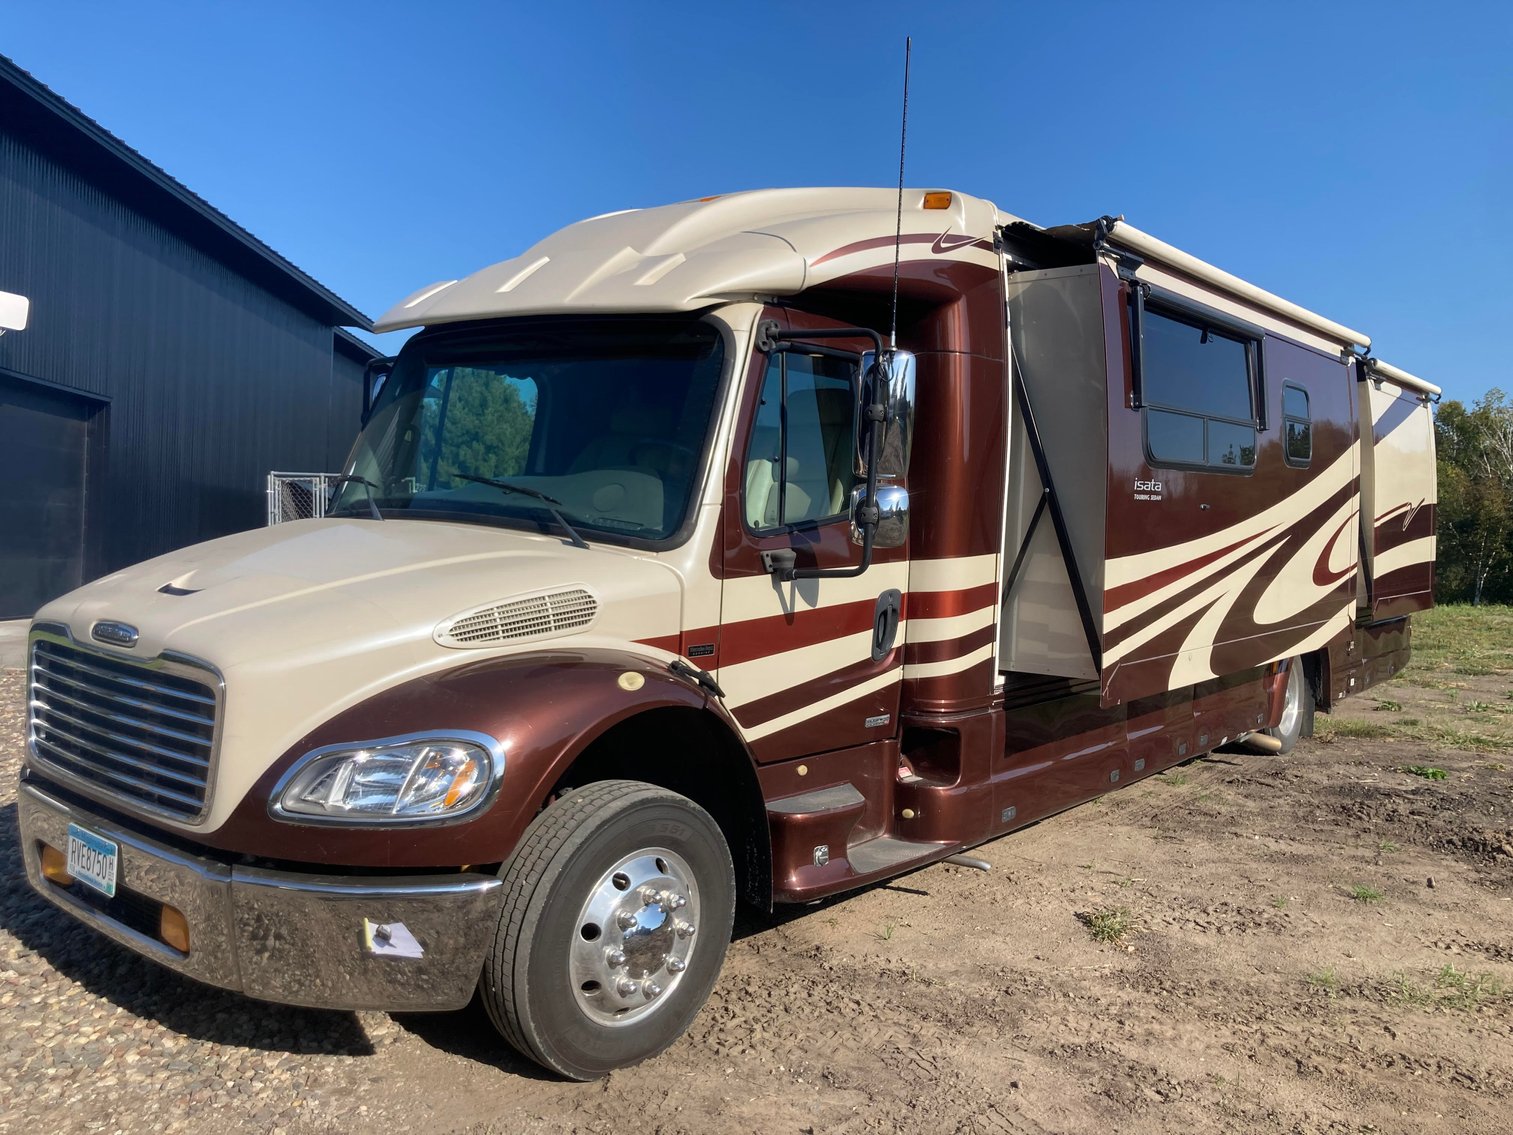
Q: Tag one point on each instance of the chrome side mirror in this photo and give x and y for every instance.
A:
(890, 384)
(892, 516)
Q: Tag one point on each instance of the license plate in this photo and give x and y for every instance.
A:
(92, 860)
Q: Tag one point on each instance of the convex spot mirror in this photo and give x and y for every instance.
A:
(890, 384)
(892, 516)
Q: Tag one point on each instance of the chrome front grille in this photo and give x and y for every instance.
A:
(139, 733)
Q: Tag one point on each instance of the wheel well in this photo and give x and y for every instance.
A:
(1313, 676)
(690, 752)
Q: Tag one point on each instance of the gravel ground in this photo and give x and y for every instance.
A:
(1249, 988)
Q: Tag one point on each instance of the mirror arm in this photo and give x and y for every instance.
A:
(771, 337)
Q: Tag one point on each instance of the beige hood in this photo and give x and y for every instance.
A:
(307, 618)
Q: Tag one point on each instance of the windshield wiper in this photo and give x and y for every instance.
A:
(553, 505)
(369, 486)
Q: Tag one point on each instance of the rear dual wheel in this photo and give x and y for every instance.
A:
(617, 914)
(1297, 709)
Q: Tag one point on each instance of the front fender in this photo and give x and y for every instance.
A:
(544, 708)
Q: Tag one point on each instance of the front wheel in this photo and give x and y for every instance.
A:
(617, 914)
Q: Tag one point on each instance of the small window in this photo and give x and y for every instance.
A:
(1297, 425)
(802, 452)
(1198, 389)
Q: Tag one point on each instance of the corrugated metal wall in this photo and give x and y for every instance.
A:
(212, 380)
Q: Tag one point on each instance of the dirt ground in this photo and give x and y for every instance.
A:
(1306, 944)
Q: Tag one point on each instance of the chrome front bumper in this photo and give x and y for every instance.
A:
(294, 938)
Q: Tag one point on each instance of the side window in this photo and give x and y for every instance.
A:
(1297, 425)
(800, 458)
(1198, 394)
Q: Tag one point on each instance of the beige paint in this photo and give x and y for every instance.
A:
(309, 618)
(695, 254)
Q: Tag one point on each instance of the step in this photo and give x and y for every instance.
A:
(836, 798)
(886, 853)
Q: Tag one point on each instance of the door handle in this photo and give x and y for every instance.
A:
(885, 623)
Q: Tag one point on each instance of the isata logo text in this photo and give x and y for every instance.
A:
(1147, 490)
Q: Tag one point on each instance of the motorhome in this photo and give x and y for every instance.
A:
(760, 547)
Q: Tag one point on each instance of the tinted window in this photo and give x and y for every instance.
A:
(1294, 401)
(1177, 438)
(1197, 389)
(799, 464)
(1296, 425)
(1231, 444)
(609, 418)
(1196, 369)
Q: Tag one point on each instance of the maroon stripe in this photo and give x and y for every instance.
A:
(763, 637)
(942, 242)
(1116, 597)
(946, 604)
(764, 709)
(918, 653)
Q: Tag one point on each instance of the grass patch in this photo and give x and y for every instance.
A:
(886, 933)
(1108, 925)
(1328, 729)
(1174, 779)
(1458, 989)
(1428, 772)
(1280, 901)
(1385, 705)
(1451, 989)
(1462, 639)
(1324, 979)
(1364, 894)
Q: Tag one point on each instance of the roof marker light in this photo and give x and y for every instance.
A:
(937, 199)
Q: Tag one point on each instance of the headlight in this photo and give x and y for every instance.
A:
(398, 780)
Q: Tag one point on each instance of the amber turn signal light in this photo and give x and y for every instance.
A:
(937, 199)
(173, 928)
(55, 866)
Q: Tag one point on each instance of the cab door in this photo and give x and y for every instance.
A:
(807, 665)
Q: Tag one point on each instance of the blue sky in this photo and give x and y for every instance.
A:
(1356, 158)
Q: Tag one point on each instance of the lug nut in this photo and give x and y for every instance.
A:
(626, 920)
(685, 929)
(651, 989)
(625, 987)
(615, 958)
(678, 902)
(649, 897)
(676, 965)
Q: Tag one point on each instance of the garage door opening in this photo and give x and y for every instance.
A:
(51, 446)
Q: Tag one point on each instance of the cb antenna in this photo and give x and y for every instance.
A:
(898, 232)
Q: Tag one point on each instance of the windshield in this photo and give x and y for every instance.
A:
(599, 424)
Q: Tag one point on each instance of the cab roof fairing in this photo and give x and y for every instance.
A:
(689, 256)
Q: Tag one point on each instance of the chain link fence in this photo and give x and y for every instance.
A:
(298, 496)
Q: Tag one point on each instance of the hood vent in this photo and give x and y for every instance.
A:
(515, 620)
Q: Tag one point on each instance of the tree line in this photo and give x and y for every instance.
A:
(1475, 454)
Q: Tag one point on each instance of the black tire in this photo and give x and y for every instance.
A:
(531, 983)
(1297, 709)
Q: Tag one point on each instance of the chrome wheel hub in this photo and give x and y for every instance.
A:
(634, 936)
(1292, 705)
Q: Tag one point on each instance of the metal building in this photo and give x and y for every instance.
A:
(170, 361)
